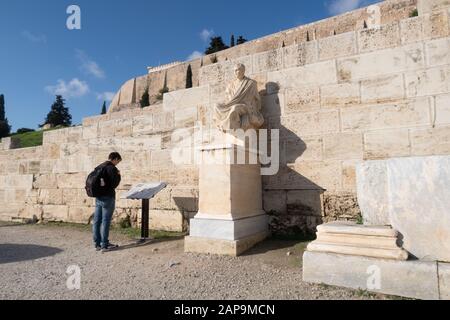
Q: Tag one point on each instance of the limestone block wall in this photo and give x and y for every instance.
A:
(47, 183)
(369, 94)
(339, 100)
(175, 77)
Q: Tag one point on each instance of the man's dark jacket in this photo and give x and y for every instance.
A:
(112, 179)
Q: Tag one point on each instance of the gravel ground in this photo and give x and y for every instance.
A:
(34, 261)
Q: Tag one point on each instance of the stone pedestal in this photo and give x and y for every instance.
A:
(231, 219)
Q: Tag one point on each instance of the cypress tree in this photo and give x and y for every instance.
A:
(189, 77)
(104, 108)
(145, 99)
(232, 42)
(5, 128)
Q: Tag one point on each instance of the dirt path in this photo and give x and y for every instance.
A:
(34, 261)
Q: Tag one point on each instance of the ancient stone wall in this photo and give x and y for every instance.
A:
(373, 93)
(175, 77)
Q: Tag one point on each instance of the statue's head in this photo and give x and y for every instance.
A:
(239, 71)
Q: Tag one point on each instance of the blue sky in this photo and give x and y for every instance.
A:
(118, 39)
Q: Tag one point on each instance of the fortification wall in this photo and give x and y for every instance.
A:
(175, 77)
(366, 94)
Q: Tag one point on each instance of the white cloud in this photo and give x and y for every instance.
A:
(73, 89)
(206, 34)
(36, 38)
(336, 7)
(106, 96)
(89, 66)
(194, 55)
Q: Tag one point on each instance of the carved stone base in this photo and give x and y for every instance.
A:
(223, 247)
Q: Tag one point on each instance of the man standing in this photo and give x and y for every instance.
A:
(105, 202)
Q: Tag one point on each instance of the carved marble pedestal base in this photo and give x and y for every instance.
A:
(231, 219)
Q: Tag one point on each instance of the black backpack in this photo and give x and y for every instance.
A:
(93, 182)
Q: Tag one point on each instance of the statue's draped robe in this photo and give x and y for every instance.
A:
(243, 111)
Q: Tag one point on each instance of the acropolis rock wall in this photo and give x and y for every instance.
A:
(364, 93)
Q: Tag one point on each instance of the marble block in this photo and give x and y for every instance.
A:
(372, 192)
(419, 205)
(413, 196)
(413, 279)
(351, 239)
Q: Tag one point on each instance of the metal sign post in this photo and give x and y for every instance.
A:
(145, 223)
(145, 192)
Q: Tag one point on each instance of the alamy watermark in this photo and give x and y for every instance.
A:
(74, 20)
(74, 278)
(201, 146)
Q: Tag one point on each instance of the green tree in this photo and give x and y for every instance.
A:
(5, 128)
(145, 99)
(24, 130)
(189, 77)
(59, 114)
(104, 108)
(232, 42)
(216, 45)
(241, 40)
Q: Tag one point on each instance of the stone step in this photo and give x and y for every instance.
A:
(381, 253)
(367, 241)
(355, 229)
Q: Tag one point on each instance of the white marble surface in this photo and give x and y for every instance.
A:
(228, 229)
(372, 192)
(419, 205)
(415, 195)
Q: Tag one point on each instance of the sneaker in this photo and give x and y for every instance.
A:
(110, 247)
(98, 248)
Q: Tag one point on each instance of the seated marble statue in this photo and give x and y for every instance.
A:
(243, 109)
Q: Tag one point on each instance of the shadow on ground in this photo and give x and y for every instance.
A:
(10, 253)
(149, 242)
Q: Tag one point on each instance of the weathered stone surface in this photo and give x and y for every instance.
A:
(142, 125)
(268, 61)
(300, 54)
(341, 206)
(187, 98)
(414, 279)
(437, 52)
(443, 109)
(424, 225)
(338, 46)
(380, 63)
(305, 202)
(428, 142)
(427, 6)
(385, 36)
(444, 280)
(373, 193)
(343, 146)
(275, 201)
(228, 229)
(386, 144)
(302, 99)
(222, 247)
(55, 213)
(168, 220)
(318, 73)
(308, 123)
(340, 94)
(128, 92)
(427, 82)
(382, 89)
(399, 115)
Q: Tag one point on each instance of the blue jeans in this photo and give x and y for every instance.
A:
(104, 209)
